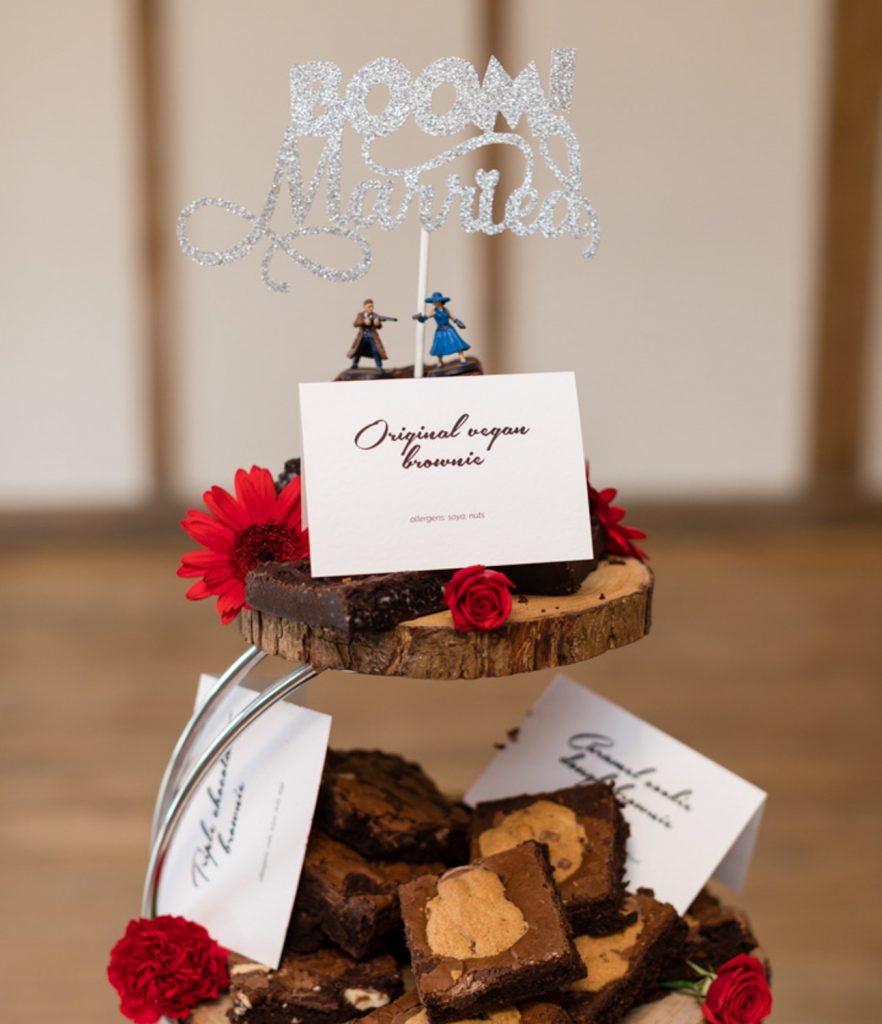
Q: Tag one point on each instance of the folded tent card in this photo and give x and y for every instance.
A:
(690, 818)
(235, 861)
(444, 473)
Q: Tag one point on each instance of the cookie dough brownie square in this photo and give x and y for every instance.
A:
(624, 968)
(488, 934)
(585, 833)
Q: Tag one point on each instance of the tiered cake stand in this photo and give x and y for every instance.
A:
(611, 609)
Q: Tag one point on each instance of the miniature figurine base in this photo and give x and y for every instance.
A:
(362, 373)
(472, 365)
(456, 368)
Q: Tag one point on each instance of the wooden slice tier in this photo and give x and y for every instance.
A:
(676, 1008)
(611, 609)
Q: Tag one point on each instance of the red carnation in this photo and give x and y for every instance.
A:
(739, 994)
(257, 525)
(478, 598)
(619, 538)
(166, 966)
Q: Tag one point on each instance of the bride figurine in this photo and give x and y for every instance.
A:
(447, 341)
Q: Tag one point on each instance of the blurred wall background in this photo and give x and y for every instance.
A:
(133, 376)
(728, 346)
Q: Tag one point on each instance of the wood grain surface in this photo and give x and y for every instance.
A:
(611, 609)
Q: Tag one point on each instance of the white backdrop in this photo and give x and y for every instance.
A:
(691, 332)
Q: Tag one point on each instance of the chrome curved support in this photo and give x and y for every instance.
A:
(197, 774)
(233, 675)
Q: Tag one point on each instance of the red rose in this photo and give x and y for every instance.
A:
(740, 993)
(165, 966)
(478, 598)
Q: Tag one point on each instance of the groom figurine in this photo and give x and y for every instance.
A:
(367, 341)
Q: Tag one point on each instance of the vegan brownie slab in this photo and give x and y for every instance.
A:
(354, 900)
(488, 934)
(624, 968)
(384, 806)
(325, 987)
(584, 831)
(346, 605)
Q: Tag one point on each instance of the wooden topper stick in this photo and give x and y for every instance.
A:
(422, 283)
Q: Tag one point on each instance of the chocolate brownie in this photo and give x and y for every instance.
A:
(348, 604)
(408, 1010)
(558, 578)
(354, 900)
(325, 987)
(585, 833)
(716, 934)
(624, 968)
(384, 806)
(305, 933)
(488, 934)
(291, 470)
(549, 578)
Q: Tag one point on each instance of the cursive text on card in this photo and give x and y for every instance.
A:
(218, 826)
(376, 433)
(593, 760)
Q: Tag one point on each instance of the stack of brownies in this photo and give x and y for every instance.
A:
(414, 910)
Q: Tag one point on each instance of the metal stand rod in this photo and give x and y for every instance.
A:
(233, 675)
(197, 774)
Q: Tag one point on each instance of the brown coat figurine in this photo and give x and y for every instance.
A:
(361, 346)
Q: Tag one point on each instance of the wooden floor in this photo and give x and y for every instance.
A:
(766, 654)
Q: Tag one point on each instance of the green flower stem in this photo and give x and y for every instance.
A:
(699, 988)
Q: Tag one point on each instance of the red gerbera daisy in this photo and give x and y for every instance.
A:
(257, 525)
(619, 538)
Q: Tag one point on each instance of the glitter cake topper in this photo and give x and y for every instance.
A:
(319, 109)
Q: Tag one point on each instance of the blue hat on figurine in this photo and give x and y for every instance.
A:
(437, 297)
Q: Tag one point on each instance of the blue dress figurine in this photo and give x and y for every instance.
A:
(447, 341)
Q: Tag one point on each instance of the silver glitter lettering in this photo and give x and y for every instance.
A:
(322, 108)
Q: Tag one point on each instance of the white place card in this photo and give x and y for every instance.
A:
(690, 818)
(235, 862)
(441, 473)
